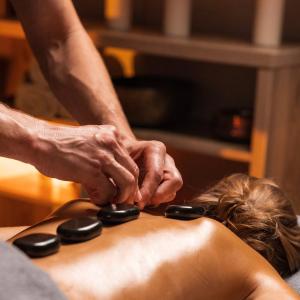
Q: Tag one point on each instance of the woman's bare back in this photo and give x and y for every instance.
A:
(159, 258)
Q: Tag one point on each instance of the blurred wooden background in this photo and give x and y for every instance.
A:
(218, 85)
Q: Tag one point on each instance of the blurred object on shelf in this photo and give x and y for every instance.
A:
(118, 14)
(268, 22)
(154, 101)
(177, 18)
(234, 125)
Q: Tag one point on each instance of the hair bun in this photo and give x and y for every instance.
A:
(260, 214)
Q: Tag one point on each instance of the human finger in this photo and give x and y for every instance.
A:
(128, 163)
(123, 179)
(102, 191)
(154, 169)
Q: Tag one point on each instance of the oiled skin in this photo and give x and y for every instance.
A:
(159, 258)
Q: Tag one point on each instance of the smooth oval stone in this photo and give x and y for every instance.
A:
(184, 212)
(79, 229)
(38, 244)
(118, 213)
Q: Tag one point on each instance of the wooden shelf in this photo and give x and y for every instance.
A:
(186, 142)
(209, 49)
(197, 144)
(201, 48)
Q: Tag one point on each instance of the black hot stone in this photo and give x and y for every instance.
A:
(79, 229)
(118, 213)
(38, 244)
(184, 212)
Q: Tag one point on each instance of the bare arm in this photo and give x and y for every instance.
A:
(89, 155)
(70, 62)
(16, 139)
(79, 79)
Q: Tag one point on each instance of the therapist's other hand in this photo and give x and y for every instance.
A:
(90, 155)
(159, 178)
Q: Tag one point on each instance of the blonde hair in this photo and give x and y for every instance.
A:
(260, 214)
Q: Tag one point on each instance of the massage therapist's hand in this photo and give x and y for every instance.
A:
(90, 155)
(159, 178)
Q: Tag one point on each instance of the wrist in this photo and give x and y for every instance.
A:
(36, 143)
(16, 139)
(19, 135)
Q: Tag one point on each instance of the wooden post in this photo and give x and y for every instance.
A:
(261, 128)
(283, 161)
(276, 130)
(268, 22)
(177, 17)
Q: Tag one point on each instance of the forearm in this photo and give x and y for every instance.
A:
(71, 63)
(22, 118)
(83, 85)
(16, 135)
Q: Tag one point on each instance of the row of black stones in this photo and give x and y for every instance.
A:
(86, 228)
